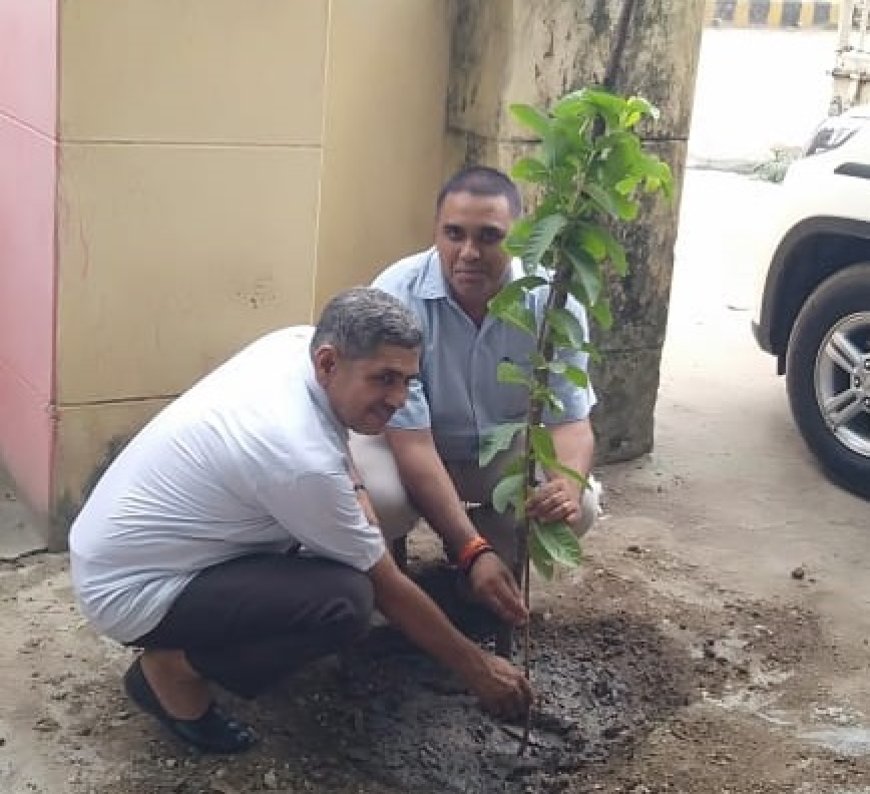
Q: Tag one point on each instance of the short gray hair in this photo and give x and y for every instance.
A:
(359, 320)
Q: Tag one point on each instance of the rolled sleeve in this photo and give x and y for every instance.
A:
(578, 402)
(414, 414)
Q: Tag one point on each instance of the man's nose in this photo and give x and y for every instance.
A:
(469, 249)
(396, 396)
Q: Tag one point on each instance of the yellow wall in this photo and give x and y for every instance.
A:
(225, 166)
(383, 136)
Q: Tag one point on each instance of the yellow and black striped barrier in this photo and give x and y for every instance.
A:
(773, 13)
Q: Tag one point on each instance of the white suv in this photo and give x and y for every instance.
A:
(814, 311)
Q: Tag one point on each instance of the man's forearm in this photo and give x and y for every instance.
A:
(430, 488)
(408, 608)
(575, 445)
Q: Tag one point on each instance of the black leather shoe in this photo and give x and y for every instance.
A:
(213, 732)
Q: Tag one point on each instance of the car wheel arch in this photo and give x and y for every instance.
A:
(810, 252)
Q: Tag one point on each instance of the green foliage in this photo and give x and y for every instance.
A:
(590, 174)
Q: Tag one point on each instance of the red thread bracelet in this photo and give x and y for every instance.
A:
(471, 551)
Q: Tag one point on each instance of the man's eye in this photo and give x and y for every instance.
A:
(453, 234)
(489, 236)
(386, 379)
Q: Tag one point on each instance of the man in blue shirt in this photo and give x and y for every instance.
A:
(426, 462)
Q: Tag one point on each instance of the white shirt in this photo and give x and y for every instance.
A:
(250, 460)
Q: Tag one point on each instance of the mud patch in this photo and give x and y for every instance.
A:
(602, 684)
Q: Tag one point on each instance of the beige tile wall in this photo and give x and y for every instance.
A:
(384, 134)
(225, 166)
(219, 71)
(175, 256)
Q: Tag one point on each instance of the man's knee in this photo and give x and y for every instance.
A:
(349, 608)
(379, 473)
(590, 507)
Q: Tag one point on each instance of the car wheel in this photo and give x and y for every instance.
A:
(828, 375)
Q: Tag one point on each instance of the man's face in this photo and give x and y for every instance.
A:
(366, 392)
(468, 235)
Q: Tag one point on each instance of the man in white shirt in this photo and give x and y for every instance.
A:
(233, 540)
(426, 463)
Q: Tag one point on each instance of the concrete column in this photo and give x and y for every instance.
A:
(534, 51)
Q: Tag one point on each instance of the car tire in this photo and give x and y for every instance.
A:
(828, 376)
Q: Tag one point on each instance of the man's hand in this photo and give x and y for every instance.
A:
(555, 500)
(495, 587)
(502, 688)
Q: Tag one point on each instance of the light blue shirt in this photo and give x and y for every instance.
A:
(459, 395)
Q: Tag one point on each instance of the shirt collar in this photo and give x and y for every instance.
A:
(432, 286)
(321, 402)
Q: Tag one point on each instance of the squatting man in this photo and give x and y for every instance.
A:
(426, 462)
(232, 539)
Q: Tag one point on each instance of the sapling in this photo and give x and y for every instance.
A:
(588, 177)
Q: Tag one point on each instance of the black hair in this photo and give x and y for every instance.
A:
(481, 180)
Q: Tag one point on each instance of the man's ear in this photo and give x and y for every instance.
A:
(325, 359)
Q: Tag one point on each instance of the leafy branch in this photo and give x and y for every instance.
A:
(591, 173)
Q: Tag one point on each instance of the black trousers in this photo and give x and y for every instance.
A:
(250, 622)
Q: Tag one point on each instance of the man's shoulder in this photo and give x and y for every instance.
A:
(401, 277)
(292, 337)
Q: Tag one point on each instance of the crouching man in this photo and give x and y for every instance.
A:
(232, 539)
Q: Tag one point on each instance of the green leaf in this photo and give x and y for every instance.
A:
(587, 275)
(517, 466)
(571, 106)
(609, 106)
(518, 316)
(530, 169)
(616, 254)
(531, 117)
(509, 491)
(517, 236)
(603, 199)
(626, 186)
(602, 314)
(554, 402)
(577, 376)
(542, 446)
(568, 324)
(540, 557)
(640, 107)
(560, 543)
(543, 234)
(593, 352)
(593, 240)
(508, 372)
(499, 440)
(511, 293)
(613, 203)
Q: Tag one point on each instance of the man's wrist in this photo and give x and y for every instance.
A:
(471, 552)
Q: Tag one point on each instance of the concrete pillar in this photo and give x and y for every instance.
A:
(535, 51)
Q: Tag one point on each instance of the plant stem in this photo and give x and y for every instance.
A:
(527, 728)
(556, 299)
